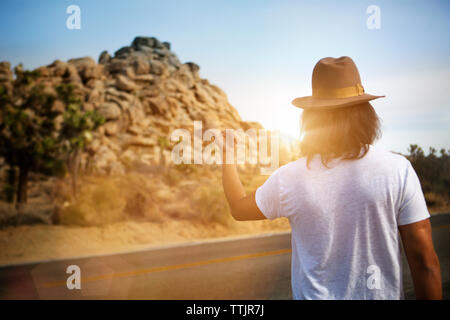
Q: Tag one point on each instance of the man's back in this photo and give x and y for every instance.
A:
(345, 222)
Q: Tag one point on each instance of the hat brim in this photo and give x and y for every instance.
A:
(316, 103)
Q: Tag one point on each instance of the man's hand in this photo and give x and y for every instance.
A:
(227, 145)
(422, 259)
(242, 207)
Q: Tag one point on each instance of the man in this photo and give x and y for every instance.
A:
(345, 199)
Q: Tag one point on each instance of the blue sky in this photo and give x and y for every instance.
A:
(262, 52)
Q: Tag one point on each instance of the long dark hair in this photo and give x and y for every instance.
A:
(343, 132)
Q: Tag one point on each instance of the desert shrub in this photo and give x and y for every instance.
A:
(211, 205)
(186, 168)
(434, 174)
(435, 200)
(196, 196)
(141, 202)
(98, 204)
(141, 206)
(172, 177)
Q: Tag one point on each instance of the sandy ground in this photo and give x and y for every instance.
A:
(47, 242)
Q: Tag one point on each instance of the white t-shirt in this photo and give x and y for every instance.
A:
(344, 221)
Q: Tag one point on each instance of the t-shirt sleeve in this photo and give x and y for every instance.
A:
(267, 197)
(412, 207)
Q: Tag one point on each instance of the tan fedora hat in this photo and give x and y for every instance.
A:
(335, 83)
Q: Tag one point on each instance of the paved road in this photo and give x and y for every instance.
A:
(251, 268)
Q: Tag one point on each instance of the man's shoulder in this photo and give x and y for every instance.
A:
(293, 165)
(387, 163)
(290, 169)
(377, 156)
(390, 158)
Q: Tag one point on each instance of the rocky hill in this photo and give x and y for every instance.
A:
(144, 92)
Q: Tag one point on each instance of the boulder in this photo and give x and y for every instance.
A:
(104, 57)
(59, 68)
(135, 113)
(94, 145)
(125, 84)
(94, 72)
(166, 45)
(117, 66)
(151, 42)
(141, 65)
(144, 78)
(185, 76)
(72, 74)
(173, 61)
(97, 93)
(140, 142)
(161, 52)
(103, 159)
(87, 68)
(193, 67)
(112, 128)
(123, 52)
(157, 67)
(82, 63)
(109, 110)
(143, 92)
(158, 105)
(44, 72)
(5, 71)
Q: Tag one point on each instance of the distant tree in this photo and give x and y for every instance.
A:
(28, 135)
(415, 151)
(36, 136)
(76, 129)
(432, 170)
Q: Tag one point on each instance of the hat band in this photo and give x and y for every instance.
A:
(338, 93)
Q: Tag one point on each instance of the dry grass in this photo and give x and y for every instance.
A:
(211, 206)
(437, 203)
(174, 193)
(97, 204)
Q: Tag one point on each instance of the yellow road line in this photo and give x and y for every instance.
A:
(171, 267)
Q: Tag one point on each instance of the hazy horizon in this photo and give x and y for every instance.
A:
(261, 53)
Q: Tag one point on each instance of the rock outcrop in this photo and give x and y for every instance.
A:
(144, 92)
